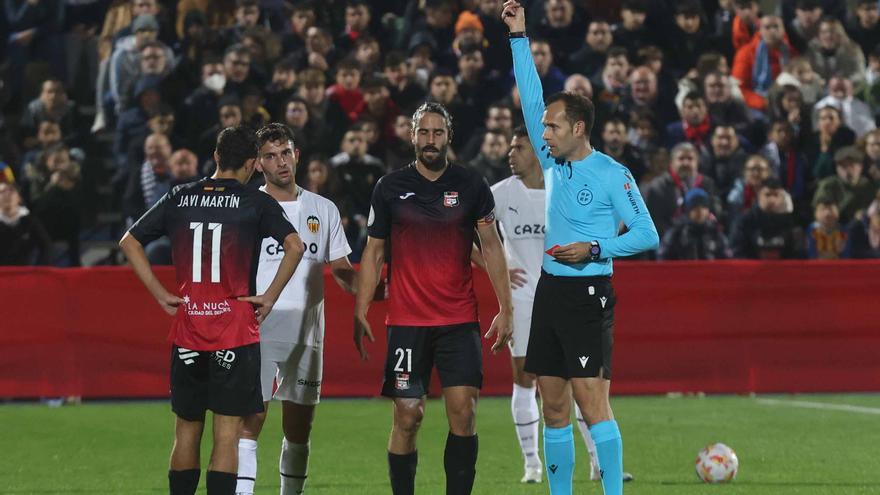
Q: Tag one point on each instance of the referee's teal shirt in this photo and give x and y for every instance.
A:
(586, 199)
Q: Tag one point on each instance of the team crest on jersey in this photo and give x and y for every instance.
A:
(402, 381)
(450, 199)
(313, 224)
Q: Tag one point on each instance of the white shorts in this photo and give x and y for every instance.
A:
(297, 369)
(522, 323)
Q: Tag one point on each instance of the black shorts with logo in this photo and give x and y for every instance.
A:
(572, 333)
(413, 352)
(226, 382)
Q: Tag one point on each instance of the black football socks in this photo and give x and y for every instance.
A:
(460, 461)
(183, 482)
(402, 471)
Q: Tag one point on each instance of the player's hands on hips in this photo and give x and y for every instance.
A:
(262, 306)
(502, 327)
(514, 15)
(169, 302)
(517, 278)
(361, 329)
(576, 252)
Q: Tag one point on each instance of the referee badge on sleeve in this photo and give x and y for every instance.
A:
(450, 199)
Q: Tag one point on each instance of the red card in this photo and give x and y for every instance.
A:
(552, 249)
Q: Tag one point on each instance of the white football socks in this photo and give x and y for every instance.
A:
(526, 416)
(294, 467)
(247, 466)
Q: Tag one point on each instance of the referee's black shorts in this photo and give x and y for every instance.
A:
(572, 332)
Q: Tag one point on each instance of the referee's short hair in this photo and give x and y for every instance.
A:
(577, 109)
(432, 107)
(273, 132)
(235, 146)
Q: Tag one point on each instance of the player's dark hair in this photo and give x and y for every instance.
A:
(240, 4)
(433, 107)
(520, 131)
(235, 146)
(577, 109)
(273, 132)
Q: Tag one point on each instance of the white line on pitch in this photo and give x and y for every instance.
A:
(820, 405)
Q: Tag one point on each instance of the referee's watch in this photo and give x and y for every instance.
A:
(595, 251)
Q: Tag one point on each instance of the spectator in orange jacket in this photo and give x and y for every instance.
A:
(757, 64)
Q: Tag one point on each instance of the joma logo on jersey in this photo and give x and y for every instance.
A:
(450, 199)
(313, 223)
(529, 228)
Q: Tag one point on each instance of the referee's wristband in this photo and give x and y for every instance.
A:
(516, 34)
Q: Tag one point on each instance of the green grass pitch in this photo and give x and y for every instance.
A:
(786, 445)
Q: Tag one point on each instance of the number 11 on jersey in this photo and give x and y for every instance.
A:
(216, 230)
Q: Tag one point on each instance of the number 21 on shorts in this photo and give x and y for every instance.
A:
(402, 354)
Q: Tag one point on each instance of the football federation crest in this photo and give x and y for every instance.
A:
(402, 381)
(313, 224)
(450, 199)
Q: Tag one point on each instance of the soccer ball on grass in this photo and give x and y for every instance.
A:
(717, 463)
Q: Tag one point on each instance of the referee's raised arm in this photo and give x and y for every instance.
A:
(531, 93)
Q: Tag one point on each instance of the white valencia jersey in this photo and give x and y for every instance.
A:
(520, 211)
(298, 315)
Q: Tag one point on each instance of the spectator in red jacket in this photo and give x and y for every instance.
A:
(758, 63)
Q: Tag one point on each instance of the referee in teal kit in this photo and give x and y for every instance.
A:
(588, 194)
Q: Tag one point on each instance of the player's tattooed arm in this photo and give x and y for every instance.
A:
(134, 251)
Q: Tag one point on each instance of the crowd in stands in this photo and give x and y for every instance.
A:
(752, 134)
